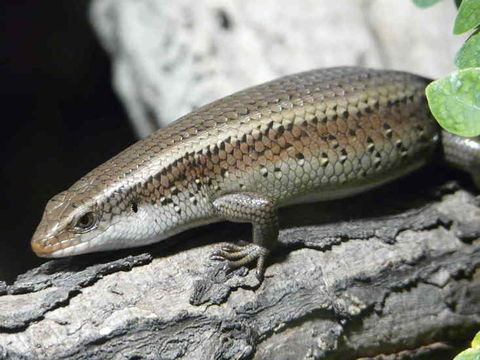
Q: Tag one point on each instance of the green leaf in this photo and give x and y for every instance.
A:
(473, 353)
(455, 101)
(469, 53)
(468, 16)
(469, 354)
(425, 3)
(476, 341)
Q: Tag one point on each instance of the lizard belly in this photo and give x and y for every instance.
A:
(348, 189)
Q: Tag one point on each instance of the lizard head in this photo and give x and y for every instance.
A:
(83, 219)
(68, 225)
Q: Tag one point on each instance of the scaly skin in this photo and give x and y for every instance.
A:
(316, 135)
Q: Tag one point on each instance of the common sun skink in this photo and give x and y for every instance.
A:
(318, 135)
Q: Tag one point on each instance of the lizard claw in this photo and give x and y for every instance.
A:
(238, 255)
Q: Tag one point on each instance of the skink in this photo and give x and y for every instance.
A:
(317, 135)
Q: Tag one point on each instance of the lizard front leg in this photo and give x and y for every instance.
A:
(252, 208)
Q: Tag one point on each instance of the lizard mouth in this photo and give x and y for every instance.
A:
(41, 250)
(58, 251)
(53, 246)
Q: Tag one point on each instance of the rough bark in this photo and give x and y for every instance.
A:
(399, 279)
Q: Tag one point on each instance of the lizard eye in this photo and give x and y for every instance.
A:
(86, 222)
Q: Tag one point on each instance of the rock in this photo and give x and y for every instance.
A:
(170, 57)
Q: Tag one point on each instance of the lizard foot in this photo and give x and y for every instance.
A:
(240, 255)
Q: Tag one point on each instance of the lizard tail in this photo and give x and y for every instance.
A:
(462, 153)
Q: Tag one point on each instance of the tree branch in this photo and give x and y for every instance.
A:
(405, 285)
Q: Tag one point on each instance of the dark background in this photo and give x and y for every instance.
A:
(59, 115)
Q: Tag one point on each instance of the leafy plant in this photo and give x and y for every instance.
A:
(455, 99)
